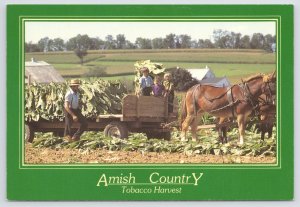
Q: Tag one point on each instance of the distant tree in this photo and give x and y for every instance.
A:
(143, 43)
(95, 43)
(218, 35)
(200, 43)
(120, 41)
(208, 44)
(79, 44)
(110, 43)
(177, 42)
(50, 46)
(257, 41)
(233, 40)
(129, 45)
(157, 43)
(226, 39)
(268, 41)
(205, 43)
(182, 79)
(43, 44)
(31, 47)
(185, 41)
(169, 41)
(194, 44)
(57, 44)
(237, 40)
(245, 42)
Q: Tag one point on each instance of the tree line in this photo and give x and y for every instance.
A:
(220, 39)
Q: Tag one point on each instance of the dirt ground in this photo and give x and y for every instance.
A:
(50, 156)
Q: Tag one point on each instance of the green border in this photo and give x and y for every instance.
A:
(234, 183)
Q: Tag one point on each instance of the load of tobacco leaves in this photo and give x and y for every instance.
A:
(45, 101)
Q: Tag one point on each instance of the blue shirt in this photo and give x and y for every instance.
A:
(146, 81)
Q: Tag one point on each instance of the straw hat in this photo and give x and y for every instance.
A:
(74, 82)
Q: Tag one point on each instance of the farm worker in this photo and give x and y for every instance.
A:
(73, 112)
(146, 82)
(169, 91)
(158, 88)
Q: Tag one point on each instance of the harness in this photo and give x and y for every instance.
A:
(231, 102)
(230, 98)
(249, 98)
(254, 102)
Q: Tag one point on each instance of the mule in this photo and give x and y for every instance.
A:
(236, 101)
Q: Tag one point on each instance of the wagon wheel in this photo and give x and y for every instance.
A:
(116, 129)
(29, 133)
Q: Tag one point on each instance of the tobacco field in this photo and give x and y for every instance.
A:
(138, 144)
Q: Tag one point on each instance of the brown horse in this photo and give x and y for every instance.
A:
(267, 114)
(235, 101)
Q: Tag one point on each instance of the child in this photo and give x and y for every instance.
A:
(146, 82)
(158, 88)
(169, 91)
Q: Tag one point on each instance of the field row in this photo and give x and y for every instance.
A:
(120, 63)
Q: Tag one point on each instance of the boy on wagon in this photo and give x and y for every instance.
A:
(146, 82)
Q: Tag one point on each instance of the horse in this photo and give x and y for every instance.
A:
(236, 101)
(267, 112)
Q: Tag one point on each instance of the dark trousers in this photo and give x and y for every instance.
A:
(170, 103)
(69, 121)
(146, 91)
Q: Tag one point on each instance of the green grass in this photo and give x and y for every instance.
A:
(207, 57)
(120, 63)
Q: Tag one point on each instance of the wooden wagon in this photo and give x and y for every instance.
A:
(147, 114)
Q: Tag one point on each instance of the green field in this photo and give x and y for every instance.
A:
(118, 64)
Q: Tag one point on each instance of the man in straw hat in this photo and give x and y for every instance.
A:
(73, 113)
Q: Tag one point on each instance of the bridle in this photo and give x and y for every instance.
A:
(266, 90)
(249, 97)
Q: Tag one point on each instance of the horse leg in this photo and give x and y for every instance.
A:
(194, 127)
(270, 130)
(185, 126)
(241, 123)
(224, 129)
(220, 132)
(263, 131)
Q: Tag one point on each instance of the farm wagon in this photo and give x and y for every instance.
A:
(147, 114)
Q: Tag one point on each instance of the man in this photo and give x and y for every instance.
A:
(73, 113)
(146, 82)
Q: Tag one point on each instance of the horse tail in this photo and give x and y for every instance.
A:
(183, 109)
(183, 105)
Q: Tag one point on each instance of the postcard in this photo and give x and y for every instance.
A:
(150, 102)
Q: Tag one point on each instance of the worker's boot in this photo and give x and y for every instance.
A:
(68, 138)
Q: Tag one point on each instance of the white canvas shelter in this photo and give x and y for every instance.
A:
(41, 72)
(217, 82)
(206, 76)
(201, 74)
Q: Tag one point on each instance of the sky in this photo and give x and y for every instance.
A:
(34, 31)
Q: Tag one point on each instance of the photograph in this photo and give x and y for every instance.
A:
(150, 102)
(105, 92)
